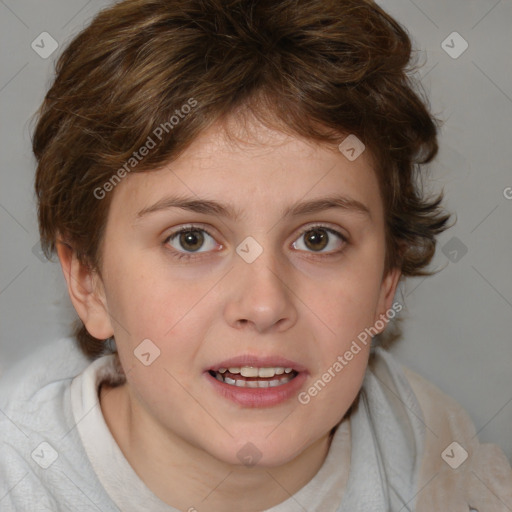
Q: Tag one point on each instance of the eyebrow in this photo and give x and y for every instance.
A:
(210, 207)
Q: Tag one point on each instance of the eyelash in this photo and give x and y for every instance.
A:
(192, 227)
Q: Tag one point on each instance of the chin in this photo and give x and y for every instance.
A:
(258, 450)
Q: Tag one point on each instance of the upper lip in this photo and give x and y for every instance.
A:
(258, 362)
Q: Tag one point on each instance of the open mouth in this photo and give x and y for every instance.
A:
(254, 377)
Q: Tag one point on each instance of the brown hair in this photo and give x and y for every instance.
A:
(314, 68)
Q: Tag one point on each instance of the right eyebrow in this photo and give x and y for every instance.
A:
(205, 206)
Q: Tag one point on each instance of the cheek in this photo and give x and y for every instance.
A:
(148, 302)
(138, 304)
(330, 393)
(345, 305)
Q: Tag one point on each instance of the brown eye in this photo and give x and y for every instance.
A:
(318, 238)
(191, 240)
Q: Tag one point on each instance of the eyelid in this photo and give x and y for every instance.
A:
(304, 229)
(184, 255)
(332, 231)
(326, 226)
(189, 227)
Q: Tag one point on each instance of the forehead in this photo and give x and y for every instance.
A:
(252, 167)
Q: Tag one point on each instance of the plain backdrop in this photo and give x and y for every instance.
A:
(457, 324)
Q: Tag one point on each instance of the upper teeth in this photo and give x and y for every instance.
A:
(251, 371)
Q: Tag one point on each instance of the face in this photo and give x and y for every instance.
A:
(236, 279)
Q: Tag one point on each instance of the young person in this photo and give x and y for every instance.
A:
(233, 192)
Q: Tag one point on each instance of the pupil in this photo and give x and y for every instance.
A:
(192, 239)
(316, 236)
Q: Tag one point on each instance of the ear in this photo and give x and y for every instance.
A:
(387, 292)
(86, 292)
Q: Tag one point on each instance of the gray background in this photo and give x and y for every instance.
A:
(457, 324)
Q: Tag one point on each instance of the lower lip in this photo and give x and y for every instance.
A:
(258, 397)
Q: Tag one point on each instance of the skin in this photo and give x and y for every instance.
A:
(180, 436)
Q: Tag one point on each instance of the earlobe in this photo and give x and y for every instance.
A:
(387, 291)
(393, 278)
(86, 292)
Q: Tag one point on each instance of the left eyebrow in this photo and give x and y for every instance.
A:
(210, 207)
(327, 203)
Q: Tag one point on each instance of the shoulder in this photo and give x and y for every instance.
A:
(42, 476)
(43, 465)
(37, 374)
(20, 487)
(34, 393)
(441, 412)
(455, 468)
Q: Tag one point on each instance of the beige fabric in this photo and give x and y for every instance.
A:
(482, 482)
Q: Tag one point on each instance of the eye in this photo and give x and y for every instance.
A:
(191, 239)
(318, 238)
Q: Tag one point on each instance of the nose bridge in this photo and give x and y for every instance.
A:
(258, 292)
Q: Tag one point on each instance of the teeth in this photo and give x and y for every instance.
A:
(241, 383)
(249, 371)
(267, 372)
(252, 371)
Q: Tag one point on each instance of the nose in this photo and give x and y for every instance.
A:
(259, 296)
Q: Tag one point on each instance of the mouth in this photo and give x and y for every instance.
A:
(254, 377)
(257, 381)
